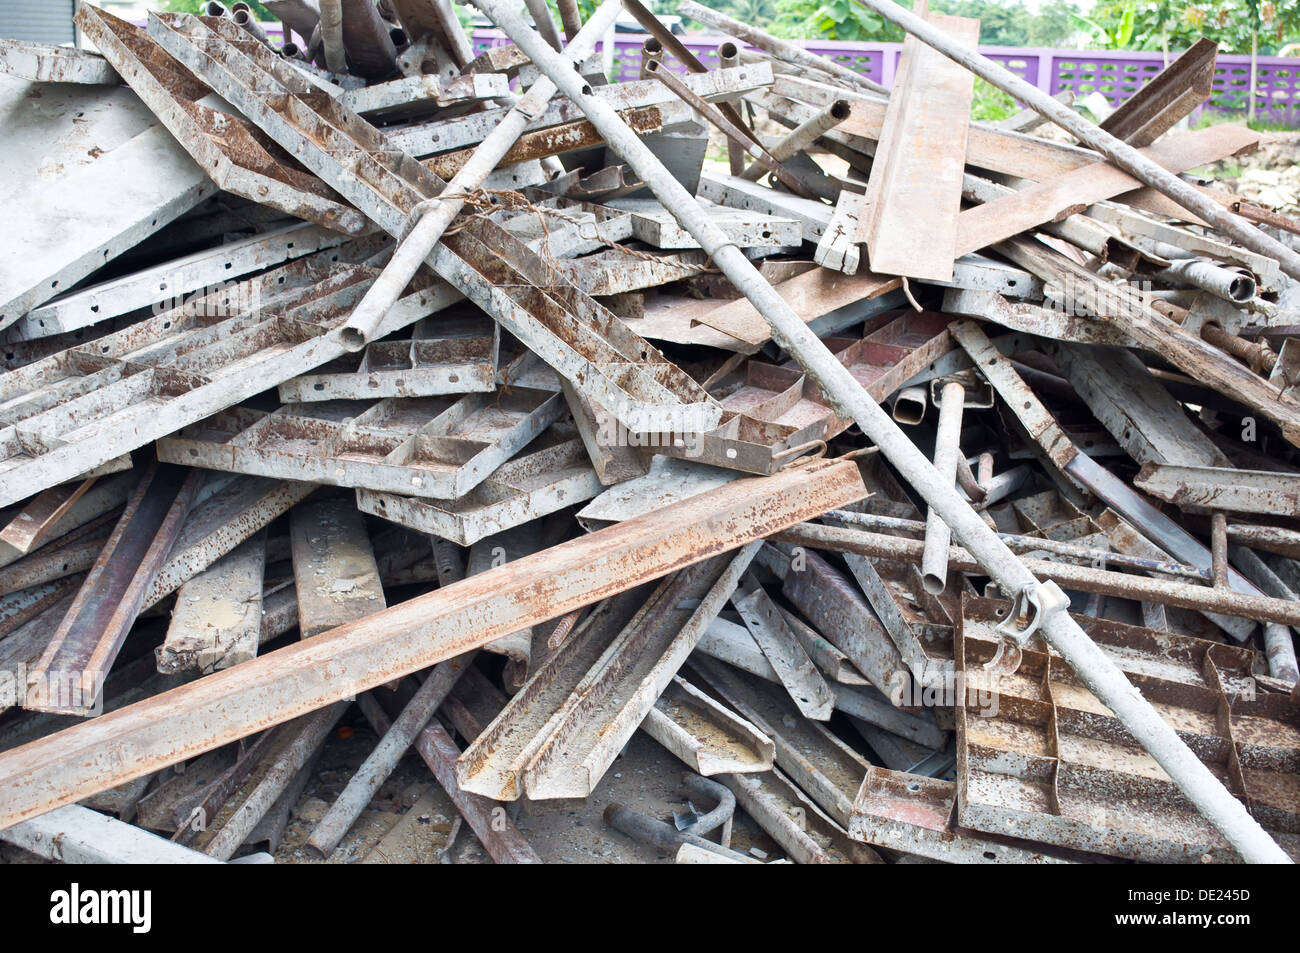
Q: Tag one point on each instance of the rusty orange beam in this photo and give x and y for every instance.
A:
(139, 739)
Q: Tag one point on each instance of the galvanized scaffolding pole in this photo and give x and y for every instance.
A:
(849, 399)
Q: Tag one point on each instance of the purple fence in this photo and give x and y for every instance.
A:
(1115, 74)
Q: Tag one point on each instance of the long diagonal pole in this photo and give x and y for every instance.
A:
(849, 399)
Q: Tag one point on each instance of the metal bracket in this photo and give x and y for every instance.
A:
(1035, 603)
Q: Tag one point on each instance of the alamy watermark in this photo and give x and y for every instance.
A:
(1086, 299)
(77, 906)
(681, 430)
(976, 691)
(225, 299)
(56, 689)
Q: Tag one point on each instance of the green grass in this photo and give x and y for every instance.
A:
(991, 104)
(1211, 117)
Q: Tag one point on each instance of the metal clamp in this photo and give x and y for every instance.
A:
(1036, 603)
(418, 211)
(1043, 598)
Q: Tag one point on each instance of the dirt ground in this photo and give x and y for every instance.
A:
(410, 819)
(1270, 176)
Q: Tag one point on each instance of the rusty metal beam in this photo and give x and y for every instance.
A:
(1122, 306)
(704, 734)
(1268, 492)
(405, 638)
(1118, 152)
(1056, 197)
(228, 148)
(68, 677)
(910, 212)
(1172, 94)
(334, 567)
(218, 614)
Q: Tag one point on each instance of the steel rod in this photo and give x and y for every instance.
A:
(1081, 578)
(1219, 549)
(382, 761)
(1027, 544)
(850, 399)
(1116, 150)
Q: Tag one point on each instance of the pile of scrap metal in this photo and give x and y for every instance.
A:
(953, 513)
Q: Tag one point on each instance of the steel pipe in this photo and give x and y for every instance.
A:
(934, 560)
(910, 404)
(967, 480)
(655, 27)
(652, 51)
(1117, 151)
(729, 56)
(803, 135)
(1231, 284)
(735, 134)
(849, 399)
(570, 18)
(360, 328)
(331, 35)
(242, 14)
(541, 15)
(999, 487)
(301, 16)
(1279, 648)
(782, 50)
(366, 41)
(1028, 544)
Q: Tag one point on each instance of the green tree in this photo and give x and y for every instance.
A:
(196, 6)
(759, 13)
(1053, 25)
(1113, 32)
(1002, 22)
(1235, 25)
(1238, 26)
(844, 20)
